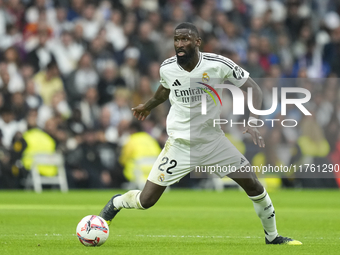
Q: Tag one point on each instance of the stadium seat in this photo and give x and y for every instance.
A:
(36, 180)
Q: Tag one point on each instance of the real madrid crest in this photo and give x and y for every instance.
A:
(161, 177)
(205, 77)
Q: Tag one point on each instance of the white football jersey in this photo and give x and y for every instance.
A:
(185, 120)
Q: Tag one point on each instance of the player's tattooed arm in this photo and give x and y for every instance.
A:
(143, 110)
(257, 103)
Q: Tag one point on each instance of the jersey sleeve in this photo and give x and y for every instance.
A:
(162, 80)
(234, 73)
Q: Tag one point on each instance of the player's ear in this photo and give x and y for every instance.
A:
(198, 41)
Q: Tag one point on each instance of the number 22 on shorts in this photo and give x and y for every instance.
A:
(165, 160)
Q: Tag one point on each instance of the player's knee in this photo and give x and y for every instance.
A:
(253, 187)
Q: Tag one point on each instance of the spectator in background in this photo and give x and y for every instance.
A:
(241, 13)
(331, 51)
(204, 18)
(84, 77)
(26, 71)
(46, 145)
(12, 35)
(130, 26)
(107, 132)
(5, 167)
(115, 31)
(300, 45)
(312, 141)
(16, 11)
(33, 99)
(41, 55)
(89, 108)
(155, 20)
(32, 13)
(67, 53)
(129, 70)
(9, 126)
(147, 48)
(144, 91)
(4, 18)
(75, 11)
(101, 51)
(86, 168)
(232, 41)
(4, 83)
(12, 59)
(294, 22)
(139, 145)
(59, 22)
(153, 75)
(252, 64)
(54, 129)
(178, 13)
(165, 44)
(257, 27)
(9, 84)
(1, 101)
(75, 125)
(90, 23)
(58, 108)
(78, 33)
(109, 82)
(119, 107)
(267, 58)
(312, 62)
(19, 106)
(40, 6)
(284, 53)
(49, 82)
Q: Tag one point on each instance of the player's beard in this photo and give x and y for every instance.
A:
(186, 58)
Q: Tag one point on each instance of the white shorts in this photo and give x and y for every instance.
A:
(178, 158)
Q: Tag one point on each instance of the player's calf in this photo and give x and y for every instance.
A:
(150, 194)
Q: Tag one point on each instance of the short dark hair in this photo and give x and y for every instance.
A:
(190, 26)
(52, 64)
(135, 126)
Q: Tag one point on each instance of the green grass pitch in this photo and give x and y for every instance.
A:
(183, 222)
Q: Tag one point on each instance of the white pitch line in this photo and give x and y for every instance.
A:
(167, 236)
(197, 236)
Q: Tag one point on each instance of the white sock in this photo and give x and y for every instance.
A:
(129, 200)
(265, 210)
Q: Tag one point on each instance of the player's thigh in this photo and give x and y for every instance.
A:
(172, 164)
(224, 156)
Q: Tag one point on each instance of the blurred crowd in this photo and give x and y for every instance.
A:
(70, 71)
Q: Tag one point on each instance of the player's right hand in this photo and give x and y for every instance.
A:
(140, 112)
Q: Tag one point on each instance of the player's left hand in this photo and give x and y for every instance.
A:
(255, 134)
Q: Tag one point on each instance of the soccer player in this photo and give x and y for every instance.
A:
(193, 139)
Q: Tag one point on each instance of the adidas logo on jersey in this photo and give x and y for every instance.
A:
(176, 83)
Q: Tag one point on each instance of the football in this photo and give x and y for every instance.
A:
(92, 230)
